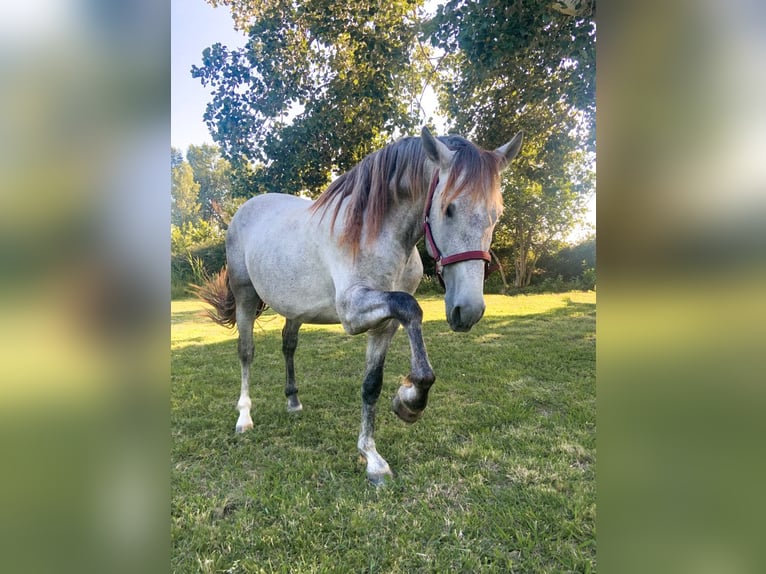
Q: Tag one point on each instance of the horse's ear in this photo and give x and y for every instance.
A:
(508, 151)
(436, 151)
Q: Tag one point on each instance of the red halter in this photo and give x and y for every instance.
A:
(441, 262)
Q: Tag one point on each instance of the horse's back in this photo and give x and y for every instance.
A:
(277, 244)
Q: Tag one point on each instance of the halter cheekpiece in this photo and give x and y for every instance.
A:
(442, 262)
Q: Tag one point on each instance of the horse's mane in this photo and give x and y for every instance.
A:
(396, 171)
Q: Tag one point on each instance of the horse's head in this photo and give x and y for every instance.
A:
(463, 207)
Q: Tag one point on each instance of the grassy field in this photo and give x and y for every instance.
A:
(498, 475)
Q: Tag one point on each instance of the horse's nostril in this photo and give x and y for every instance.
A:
(462, 318)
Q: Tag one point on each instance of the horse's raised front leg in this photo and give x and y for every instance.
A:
(363, 309)
(377, 347)
(289, 344)
(412, 397)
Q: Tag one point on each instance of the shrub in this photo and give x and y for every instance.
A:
(190, 235)
(587, 281)
(194, 265)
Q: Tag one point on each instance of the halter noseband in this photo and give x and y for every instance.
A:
(442, 262)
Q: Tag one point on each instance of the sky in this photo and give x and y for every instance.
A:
(195, 25)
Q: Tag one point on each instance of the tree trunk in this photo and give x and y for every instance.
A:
(506, 287)
(520, 263)
(531, 266)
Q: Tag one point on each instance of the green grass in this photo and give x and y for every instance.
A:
(498, 475)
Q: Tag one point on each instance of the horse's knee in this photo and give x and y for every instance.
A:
(404, 307)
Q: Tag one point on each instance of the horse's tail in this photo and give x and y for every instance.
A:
(217, 293)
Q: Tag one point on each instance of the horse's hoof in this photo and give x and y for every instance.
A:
(294, 405)
(403, 412)
(239, 429)
(379, 479)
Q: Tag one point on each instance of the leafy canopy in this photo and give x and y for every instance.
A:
(318, 85)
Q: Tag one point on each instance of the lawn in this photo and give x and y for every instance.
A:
(497, 476)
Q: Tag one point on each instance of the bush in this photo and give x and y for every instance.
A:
(192, 235)
(587, 281)
(429, 285)
(494, 283)
(194, 266)
(570, 262)
(553, 284)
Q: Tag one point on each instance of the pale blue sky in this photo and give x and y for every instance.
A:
(195, 25)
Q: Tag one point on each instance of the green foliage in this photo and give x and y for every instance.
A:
(571, 261)
(319, 85)
(587, 281)
(184, 195)
(200, 275)
(193, 263)
(512, 65)
(176, 157)
(197, 232)
(211, 172)
(184, 238)
(429, 285)
(498, 476)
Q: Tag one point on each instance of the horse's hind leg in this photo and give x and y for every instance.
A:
(289, 343)
(247, 306)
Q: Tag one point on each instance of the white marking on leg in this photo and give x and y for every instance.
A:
(377, 467)
(245, 421)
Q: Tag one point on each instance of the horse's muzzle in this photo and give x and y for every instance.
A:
(462, 317)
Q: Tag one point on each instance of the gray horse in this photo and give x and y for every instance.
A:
(350, 258)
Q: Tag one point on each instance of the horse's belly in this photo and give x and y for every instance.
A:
(295, 287)
(305, 310)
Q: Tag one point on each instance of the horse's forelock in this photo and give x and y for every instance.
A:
(475, 173)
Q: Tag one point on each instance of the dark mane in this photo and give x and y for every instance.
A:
(396, 171)
(371, 186)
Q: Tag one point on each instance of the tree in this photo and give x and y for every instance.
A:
(536, 217)
(529, 66)
(319, 85)
(176, 157)
(571, 261)
(185, 195)
(214, 176)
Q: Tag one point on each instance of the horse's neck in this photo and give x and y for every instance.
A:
(408, 215)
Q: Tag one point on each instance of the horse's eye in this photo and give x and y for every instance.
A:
(450, 210)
